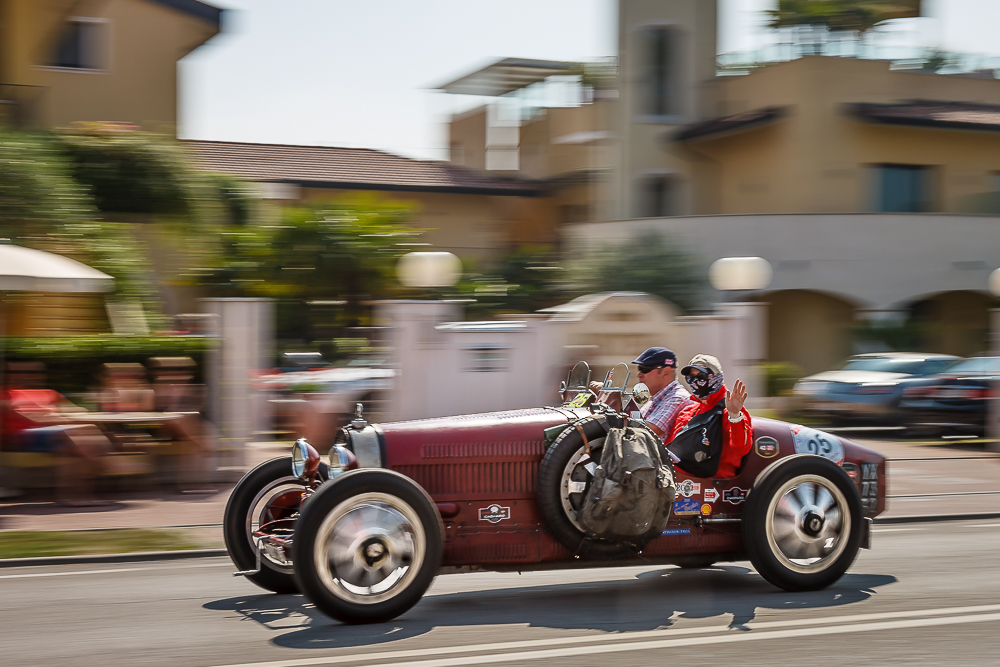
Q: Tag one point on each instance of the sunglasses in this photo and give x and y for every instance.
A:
(647, 369)
(696, 371)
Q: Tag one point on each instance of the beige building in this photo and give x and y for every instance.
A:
(63, 61)
(869, 188)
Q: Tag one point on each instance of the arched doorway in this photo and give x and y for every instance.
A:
(955, 322)
(809, 329)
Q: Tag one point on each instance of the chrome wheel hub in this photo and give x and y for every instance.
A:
(369, 548)
(263, 511)
(808, 523)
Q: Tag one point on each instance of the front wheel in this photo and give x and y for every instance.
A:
(367, 546)
(802, 526)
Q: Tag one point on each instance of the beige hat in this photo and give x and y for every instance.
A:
(705, 363)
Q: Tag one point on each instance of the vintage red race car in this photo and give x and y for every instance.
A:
(399, 503)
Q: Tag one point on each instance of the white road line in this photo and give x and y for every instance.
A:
(67, 574)
(895, 530)
(854, 620)
(984, 525)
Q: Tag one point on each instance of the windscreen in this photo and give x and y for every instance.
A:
(890, 365)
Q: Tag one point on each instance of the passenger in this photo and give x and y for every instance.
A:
(704, 375)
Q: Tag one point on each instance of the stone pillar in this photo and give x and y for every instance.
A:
(244, 329)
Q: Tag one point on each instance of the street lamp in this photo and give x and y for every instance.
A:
(429, 269)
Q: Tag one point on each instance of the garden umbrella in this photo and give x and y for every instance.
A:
(29, 270)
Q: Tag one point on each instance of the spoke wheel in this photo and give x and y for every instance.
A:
(802, 524)
(367, 546)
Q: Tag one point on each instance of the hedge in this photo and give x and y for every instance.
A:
(74, 362)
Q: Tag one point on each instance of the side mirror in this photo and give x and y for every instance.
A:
(562, 390)
(640, 394)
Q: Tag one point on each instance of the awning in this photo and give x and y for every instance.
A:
(29, 270)
(508, 75)
(930, 113)
(730, 124)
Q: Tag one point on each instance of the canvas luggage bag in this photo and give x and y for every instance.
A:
(630, 495)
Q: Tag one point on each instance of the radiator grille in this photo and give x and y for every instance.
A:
(474, 478)
(483, 449)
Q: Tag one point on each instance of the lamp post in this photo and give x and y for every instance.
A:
(740, 276)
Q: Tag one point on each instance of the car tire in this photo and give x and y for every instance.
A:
(561, 466)
(246, 509)
(802, 525)
(367, 546)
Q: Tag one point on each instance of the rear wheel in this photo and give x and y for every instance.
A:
(802, 525)
(367, 546)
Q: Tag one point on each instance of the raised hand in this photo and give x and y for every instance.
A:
(736, 397)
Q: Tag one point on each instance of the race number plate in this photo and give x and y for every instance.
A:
(810, 441)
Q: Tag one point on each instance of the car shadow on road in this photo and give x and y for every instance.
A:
(651, 600)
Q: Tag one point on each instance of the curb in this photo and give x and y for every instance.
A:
(135, 557)
(929, 518)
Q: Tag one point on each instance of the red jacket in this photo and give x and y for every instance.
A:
(736, 438)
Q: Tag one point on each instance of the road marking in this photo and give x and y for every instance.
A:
(895, 530)
(984, 525)
(67, 574)
(858, 622)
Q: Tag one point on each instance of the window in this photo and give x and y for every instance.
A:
(486, 359)
(657, 197)
(662, 72)
(81, 44)
(903, 188)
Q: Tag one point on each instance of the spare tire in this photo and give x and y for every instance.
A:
(563, 479)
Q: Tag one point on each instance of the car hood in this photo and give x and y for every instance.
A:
(857, 377)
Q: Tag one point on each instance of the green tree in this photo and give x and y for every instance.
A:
(858, 16)
(341, 252)
(650, 262)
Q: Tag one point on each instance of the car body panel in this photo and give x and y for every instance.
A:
(482, 472)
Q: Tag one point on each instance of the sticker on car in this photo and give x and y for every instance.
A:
(711, 495)
(811, 441)
(687, 488)
(677, 531)
(687, 507)
(494, 513)
(735, 495)
(766, 446)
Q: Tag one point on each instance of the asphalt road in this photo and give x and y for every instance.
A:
(926, 594)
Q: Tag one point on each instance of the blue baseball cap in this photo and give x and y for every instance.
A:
(657, 356)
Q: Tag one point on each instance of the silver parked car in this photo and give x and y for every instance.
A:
(870, 386)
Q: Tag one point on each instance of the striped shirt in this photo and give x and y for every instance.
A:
(662, 409)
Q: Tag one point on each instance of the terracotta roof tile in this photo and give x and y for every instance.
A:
(350, 168)
(735, 122)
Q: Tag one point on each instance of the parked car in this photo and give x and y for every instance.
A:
(869, 387)
(364, 536)
(956, 400)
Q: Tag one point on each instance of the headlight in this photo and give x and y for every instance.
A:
(305, 458)
(341, 460)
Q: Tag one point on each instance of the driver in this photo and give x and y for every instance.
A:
(657, 370)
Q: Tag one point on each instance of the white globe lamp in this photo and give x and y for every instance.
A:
(740, 273)
(429, 269)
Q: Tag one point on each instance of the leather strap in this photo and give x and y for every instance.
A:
(586, 443)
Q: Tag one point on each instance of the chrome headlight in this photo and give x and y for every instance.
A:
(341, 460)
(305, 458)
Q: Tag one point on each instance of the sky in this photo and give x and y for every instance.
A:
(362, 74)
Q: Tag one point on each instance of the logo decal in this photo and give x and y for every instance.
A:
(494, 513)
(686, 507)
(706, 509)
(851, 470)
(677, 531)
(687, 488)
(735, 495)
(766, 446)
(711, 495)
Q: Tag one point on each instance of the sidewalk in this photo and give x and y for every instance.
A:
(946, 473)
